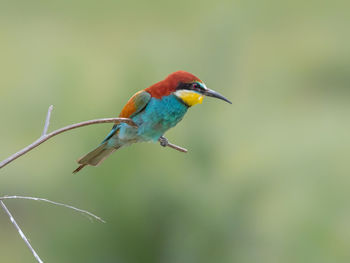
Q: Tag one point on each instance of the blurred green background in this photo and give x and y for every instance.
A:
(266, 179)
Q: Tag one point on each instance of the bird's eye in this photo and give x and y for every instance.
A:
(196, 86)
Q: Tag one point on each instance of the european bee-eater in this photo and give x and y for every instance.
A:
(155, 110)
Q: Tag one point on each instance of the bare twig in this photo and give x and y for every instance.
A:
(25, 239)
(13, 221)
(178, 148)
(47, 121)
(89, 214)
(174, 146)
(64, 129)
(45, 136)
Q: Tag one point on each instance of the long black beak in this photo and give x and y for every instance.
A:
(214, 94)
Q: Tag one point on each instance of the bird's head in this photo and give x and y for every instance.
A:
(186, 87)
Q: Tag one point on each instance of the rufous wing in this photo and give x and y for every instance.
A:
(136, 104)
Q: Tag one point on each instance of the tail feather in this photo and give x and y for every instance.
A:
(79, 168)
(96, 156)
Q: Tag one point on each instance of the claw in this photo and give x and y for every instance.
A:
(163, 141)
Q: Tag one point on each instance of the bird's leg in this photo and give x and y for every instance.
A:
(163, 141)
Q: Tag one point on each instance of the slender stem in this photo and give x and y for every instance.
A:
(89, 214)
(64, 129)
(46, 136)
(25, 239)
(178, 148)
(164, 142)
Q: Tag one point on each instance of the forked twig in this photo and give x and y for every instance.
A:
(25, 239)
(46, 136)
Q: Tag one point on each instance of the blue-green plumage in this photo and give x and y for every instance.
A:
(157, 117)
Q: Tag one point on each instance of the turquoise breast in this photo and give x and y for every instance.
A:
(159, 116)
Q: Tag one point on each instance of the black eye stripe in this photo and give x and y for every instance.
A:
(190, 86)
(184, 86)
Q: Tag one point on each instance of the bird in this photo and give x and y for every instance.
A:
(154, 110)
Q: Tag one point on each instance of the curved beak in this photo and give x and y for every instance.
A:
(214, 94)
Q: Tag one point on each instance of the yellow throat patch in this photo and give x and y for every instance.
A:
(189, 97)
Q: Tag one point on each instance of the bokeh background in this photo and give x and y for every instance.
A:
(266, 179)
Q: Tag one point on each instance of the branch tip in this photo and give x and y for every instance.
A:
(47, 121)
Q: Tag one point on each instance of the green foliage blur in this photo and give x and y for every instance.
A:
(266, 179)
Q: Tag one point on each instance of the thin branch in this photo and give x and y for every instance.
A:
(47, 121)
(176, 147)
(165, 143)
(13, 221)
(89, 214)
(46, 136)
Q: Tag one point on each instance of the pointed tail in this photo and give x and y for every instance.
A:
(95, 157)
(79, 168)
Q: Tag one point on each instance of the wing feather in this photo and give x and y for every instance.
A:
(136, 104)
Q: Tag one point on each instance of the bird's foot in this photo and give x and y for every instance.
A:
(163, 141)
